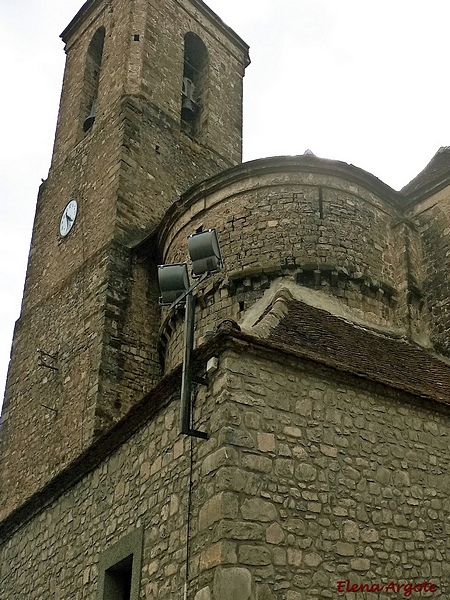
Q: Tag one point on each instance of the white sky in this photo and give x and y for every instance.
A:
(363, 81)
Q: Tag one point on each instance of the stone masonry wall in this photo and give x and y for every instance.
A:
(317, 230)
(162, 71)
(88, 300)
(81, 359)
(55, 359)
(308, 478)
(158, 161)
(314, 479)
(115, 18)
(144, 484)
(308, 217)
(432, 218)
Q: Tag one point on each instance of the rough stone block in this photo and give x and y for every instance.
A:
(222, 457)
(344, 549)
(360, 564)
(239, 530)
(274, 534)
(256, 509)
(203, 594)
(255, 462)
(236, 437)
(350, 531)
(220, 553)
(221, 506)
(254, 555)
(266, 442)
(305, 472)
(232, 583)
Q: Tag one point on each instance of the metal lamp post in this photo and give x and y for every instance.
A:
(204, 251)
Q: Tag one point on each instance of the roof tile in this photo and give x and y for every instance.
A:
(316, 334)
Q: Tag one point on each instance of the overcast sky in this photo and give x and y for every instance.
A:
(363, 81)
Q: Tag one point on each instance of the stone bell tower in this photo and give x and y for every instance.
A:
(151, 103)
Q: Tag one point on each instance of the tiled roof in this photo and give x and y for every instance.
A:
(437, 169)
(318, 335)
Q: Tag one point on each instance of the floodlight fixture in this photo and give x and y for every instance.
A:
(206, 257)
(173, 282)
(204, 251)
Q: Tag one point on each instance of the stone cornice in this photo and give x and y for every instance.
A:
(306, 164)
(90, 5)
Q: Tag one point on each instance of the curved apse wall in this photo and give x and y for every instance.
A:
(321, 224)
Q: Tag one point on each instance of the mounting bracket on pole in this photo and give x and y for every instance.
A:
(187, 377)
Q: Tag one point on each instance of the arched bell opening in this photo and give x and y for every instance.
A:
(193, 93)
(91, 79)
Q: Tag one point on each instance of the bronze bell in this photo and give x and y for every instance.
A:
(187, 109)
(89, 120)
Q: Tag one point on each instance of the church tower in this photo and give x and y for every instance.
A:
(318, 386)
(151, 103)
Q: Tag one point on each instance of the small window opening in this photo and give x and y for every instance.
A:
(193, 93)
(119, 569)
(118, 580)
(321, 203)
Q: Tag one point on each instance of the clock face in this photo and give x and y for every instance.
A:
(68, 218)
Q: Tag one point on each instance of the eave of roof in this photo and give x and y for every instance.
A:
(305, 163)
(90, 5)
(317, 335)
(433, 178)
(84, 11)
